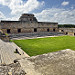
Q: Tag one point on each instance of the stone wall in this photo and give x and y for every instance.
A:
(4, 37)
(27, 24)
(15, 27)
(68, 31)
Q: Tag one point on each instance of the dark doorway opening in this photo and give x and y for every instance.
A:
(30, 19)
(74, 34)
(19, 30)
(48, 30)
(66, 33)
(35, 29)
(62, 30)
(54, 30)
(8, 30)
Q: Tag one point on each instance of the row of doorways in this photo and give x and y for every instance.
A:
(8, 30)
(67, 33)
(35, 30)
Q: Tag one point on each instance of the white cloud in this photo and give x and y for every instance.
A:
(65, 3)
(50, 15)
(57, 15)
(19, 6)
(2, 16)
(62, 16)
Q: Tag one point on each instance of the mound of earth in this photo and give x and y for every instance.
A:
(56, 63)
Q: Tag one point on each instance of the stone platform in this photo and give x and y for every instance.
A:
(8, 54)
(34, 35)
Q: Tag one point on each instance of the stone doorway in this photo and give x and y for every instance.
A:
(54, 30)
(48, 30)
(19, 30)
(35, 29)
(74, 34)
(66, 33)
(8, 30)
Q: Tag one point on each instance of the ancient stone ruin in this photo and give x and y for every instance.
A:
(28, 26)
(11, 69)
(14, 61)
(55, 63)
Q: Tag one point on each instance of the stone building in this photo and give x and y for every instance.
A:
(68, 31)
(27, 24)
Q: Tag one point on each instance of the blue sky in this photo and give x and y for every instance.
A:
(61, 11)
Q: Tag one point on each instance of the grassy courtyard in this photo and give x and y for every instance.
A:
(44, 45)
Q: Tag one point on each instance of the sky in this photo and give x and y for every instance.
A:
(61, 11)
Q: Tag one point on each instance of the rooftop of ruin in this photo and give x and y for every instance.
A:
(25, 17)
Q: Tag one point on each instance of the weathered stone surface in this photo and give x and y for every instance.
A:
(12, 69)
(3, 36)
(68, 31)
(28, 18)
(56, 63)
(7, 52)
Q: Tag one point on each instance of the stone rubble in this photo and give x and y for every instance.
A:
(11, 69)
(55, 63)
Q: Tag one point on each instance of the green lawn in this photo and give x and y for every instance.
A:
(44, 45)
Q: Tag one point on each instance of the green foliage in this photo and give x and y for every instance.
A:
(6, 34)
(66, 26)
(44, 45)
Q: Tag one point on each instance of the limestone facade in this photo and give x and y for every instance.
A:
(68, 31)
(27, 24)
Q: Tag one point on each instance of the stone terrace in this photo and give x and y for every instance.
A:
(7, 52)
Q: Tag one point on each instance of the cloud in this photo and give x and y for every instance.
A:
(2, 16)
(65, 3)
(20, 6)
(62, 16)
(57, 15)
(49, 15)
